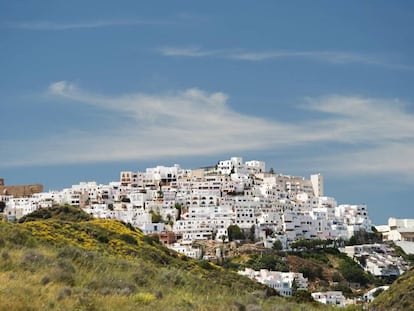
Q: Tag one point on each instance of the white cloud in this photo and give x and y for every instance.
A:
(326, 56)
(390, 161)
(48, 25)
(333, 57)
(364, 120)
(375, 136)
(188, 52)
(181, 123)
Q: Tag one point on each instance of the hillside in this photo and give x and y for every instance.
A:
(61, 259)
(400, 295)
(325, 268)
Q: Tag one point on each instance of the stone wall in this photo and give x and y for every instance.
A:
(20, 190)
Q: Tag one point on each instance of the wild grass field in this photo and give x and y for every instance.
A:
(62, 259)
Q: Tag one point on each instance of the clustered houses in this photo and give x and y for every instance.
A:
(283, 282)
(201, 204)
(378, 259)
(398, 230)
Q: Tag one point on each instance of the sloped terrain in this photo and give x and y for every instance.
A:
(61, 259)
(400, 295)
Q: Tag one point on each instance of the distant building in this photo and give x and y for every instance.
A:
(18, 191)
(282, 282)
(201, 204)
(377, 259)
(398, 230)
(186, 248)
(335, 298)
(317, 184)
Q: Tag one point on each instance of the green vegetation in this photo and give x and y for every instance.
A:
(277, 246)
(400, 295)
(329, 269)
(156, 217)
(363, 237)
(266, 261)
(235, 233)
(310, 244)
(179, 208)
(61, 213)
(61, 259)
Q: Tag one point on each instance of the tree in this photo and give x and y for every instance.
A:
(156, 217)
(252, 233)
(179, 208)
(169, 220)
(336, 277)
(235, 233)
(352, 272)
(303, 296)
(277, 246)
(364, 237)
(2, 206)
(271, 171)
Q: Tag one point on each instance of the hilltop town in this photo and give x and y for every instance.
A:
(189, 210)
(201, 204)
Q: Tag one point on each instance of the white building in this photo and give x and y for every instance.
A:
(317, 184)
(377, 259)
(282, 282)
(255, 166)
(398, 230)
(355, 217)
(210, 199)
(332, 297)
(186, 248)
(16, 208)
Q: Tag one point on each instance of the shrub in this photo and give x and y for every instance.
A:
(239, 306)
(144, 298)
(45, 280)
(65, 272)
(128, 239)
(352, 272)
(303, 296)
(17, 237)
(151, 239)
(205, 264)
(307, 272)
(173, 277)
(5, 255)
(64, 277)
(31, 260)
(107, 286)
(64, 293)
(62, 213)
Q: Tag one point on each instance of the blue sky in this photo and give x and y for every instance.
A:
(91, 88)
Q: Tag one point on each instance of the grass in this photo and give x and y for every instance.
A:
(54, 261)
(400, 295)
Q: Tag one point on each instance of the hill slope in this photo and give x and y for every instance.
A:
(400, 295)
(60, 259)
